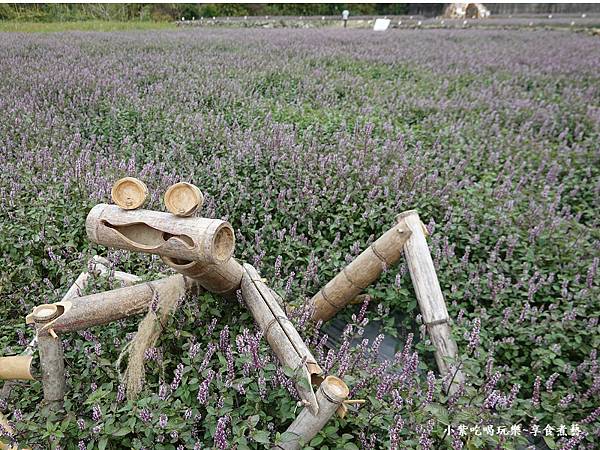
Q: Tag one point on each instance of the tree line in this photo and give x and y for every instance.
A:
(43, 12)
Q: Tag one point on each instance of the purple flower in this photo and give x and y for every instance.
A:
(222, 433)
(162, 420)
(145, 415)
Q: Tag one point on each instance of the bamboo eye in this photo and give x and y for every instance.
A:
(129, 193)
(183, 199)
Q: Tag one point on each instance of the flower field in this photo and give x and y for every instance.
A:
(310, 142)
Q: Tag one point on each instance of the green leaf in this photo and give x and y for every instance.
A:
(261, 436)
(102, 443)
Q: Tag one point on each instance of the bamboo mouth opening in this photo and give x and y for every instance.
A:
(223, 243)
(183, 199)
(179, 263)
(129, 193)
(335, 388)
(144, 236)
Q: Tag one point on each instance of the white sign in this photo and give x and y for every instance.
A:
(381, 24)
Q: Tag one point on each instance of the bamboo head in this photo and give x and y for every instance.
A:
(183, 199)
(129, 193)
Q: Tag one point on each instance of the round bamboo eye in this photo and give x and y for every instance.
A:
(183, 199)
(129, 193)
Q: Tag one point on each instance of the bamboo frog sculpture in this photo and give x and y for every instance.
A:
(201, 251)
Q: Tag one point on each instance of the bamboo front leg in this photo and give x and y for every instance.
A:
(428, 291)
(331, 394)
(360, 273)
(81, 313)
(280, 334)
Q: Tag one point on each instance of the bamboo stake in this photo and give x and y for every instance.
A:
(81, 313)
(52, 360)
(189, 238)
(280, 334)
(429, 293)
(223, 279)
(360, 273)
(330, 396)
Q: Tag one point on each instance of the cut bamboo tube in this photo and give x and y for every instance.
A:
(330, 397)
(223, 279)
(80, 313)
(129, 193)
(429, 293)
(187, 238)
(183, 199)
(359, 274)
(281, 335)
(16, 367)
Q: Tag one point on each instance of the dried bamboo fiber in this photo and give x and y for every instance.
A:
(149, 331)
(360, 273)
(281, 335)
(159, 233)
(331, 394)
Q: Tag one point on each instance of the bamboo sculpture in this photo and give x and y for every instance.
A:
(429, 293)
(281, 334)
(360, 273)
(330, 396)
(201, 251)
(187, 238)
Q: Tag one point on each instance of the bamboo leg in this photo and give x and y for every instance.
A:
(360, 273)
(331, 394)
(81, 313)
(429, 293)
(283, 338)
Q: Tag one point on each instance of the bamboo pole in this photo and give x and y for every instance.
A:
(80, 313)
(330, 396)
(360, 273)
(189, 238)
(223, 279)
(281, 335)
(429, 293)
(16, 367)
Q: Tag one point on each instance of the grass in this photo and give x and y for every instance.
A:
(83, 25)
